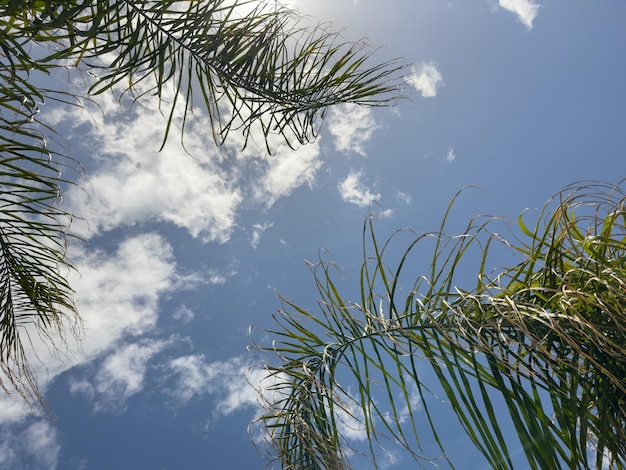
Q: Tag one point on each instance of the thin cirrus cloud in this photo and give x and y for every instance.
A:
(526, 10)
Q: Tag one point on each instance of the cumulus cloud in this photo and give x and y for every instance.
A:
(426, 79)
(117, 298)
(199, 186)
(132, 182)
(353, 191)
(286, 171)
(232, 382)
(526, 10)
(350, 418)
(195, 376)
(117, 295)
(352, 126)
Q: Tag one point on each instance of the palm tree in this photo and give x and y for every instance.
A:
(543, 339)
(252, 65)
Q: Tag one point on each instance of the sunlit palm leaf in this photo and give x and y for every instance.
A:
(251, 64)
(33, 268)
(545, 338)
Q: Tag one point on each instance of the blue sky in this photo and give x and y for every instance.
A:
(186, 251)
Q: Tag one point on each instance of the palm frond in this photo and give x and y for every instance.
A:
(544, 338)
(255, 66)
(33, 267)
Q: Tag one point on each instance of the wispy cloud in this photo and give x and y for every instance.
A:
(195, 377)
(451, 156)
(257, 231)
(526, 10)
(352, 126)
(120, 376)
(353, 191)
(232, 382)
(37, 446)
(184, 314)
(426, 79)
(404, 197)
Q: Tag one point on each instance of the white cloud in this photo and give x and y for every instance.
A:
(353, 191)
(404, 197)
(426, 79)
(526, 10)
(196, 377)
(352, 126)
(120, 376)
(382, 214)
(13, 409)
(350, 424)
(257, 231)
(116, 296)
(133, 183)
(37, 445)
(199, 187)
(236, 385)
(451, 155)
(286, 171)
(217, 279)
(184, 313)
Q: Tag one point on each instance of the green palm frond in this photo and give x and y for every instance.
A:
(33, 267)
(545, 339)
(253, 65)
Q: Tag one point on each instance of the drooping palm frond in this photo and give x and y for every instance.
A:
(544, 339)
(253, 65)
(33, 267)
(33, 229)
